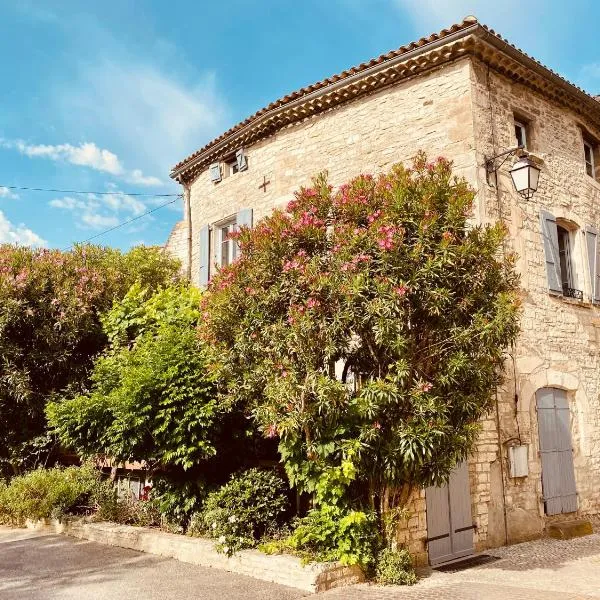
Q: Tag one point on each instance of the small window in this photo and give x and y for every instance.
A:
(588, 153)
(521, 133)
(232, 167)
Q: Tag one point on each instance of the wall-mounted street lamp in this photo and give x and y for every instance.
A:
(525, 174)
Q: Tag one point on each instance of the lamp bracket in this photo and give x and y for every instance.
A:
(491, 162)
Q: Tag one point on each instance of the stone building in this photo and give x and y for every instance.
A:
(466, 94)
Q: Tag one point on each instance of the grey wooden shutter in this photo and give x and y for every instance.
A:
(439, 541)
(242, 161)
(550, 240)
(215, 172)
(244, 217)
(461, 517)
(591, 240)
(204, 255)
(556, 451)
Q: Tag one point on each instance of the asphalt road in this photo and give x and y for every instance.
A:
(35, 566)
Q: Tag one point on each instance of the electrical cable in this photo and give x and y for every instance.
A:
(116, 192)
(123, 224)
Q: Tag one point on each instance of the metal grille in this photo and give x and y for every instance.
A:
(572, 293)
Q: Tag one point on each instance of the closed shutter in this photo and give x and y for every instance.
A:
(550, 240)
(204, 254)
(244, 218)
(556, 451)
(439, 540)
(591, 240)
(217, 243)
(242, 161)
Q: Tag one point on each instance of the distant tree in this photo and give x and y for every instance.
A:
(50, 330)
(366, 328)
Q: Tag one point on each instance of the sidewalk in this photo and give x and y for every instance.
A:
(541, 570)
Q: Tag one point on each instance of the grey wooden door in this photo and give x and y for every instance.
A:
(449, 519)
(556, 451)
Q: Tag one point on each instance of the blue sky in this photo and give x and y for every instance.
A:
(108, 96)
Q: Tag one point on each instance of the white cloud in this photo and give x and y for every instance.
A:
(136, 177)
(6, 193)
(18, 234)
(97, 221)
(87, 154)
(94, 211)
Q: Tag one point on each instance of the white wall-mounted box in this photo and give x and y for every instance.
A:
(517, 458)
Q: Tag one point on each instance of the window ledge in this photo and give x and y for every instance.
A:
(582, 303)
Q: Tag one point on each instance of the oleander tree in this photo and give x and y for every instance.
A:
(50, 331)
(365, 328)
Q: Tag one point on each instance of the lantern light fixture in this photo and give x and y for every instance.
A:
(525, 174)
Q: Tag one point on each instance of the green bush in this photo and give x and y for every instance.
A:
(242, 511)
(177, 501)
(394, 567)
(48, 493)
(331, 533)
(126, 511)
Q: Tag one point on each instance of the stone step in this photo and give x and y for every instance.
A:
(567, 530)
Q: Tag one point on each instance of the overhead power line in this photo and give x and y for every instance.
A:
(124, 223)
(116, 192)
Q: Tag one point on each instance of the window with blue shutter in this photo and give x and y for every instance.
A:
(215, 172)
(591, 242)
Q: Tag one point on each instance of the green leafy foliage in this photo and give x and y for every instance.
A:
(177, 501)
(47, 493)
(367, 324)
(331, 533)
(152, 397)
(394, 567)
(50, 331)
(239, 513)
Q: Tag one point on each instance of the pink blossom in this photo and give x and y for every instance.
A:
(312, 303)
(271, 431)
(376, 425)
(425, 387)
(400, 290)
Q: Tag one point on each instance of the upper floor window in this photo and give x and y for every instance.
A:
(521, 133)
(589, 150)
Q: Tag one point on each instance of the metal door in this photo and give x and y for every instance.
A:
(449, 519)
(556, 451)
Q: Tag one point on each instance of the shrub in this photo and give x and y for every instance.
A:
(46, 493)
(177, 501)
(394, 567)
(331, 533)
(126, 511)
(239, 513)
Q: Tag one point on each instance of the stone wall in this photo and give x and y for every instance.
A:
(558, 345)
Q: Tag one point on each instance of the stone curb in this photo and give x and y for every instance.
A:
(282, 569)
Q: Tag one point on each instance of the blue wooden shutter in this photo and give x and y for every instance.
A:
(215, 172)
(556, 451)
(591, 241)
(204, 254)
(242, 161)
(550, 240)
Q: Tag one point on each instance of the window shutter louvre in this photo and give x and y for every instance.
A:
(244, 218)
(591, 241)
(242, 161)
(204, 256)
(550, 240)
(215, 172)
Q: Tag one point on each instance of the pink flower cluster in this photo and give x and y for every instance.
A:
(388, 234)
(353, 264)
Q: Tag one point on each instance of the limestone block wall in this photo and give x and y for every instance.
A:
(177, 243)
(558, 344)
(369, 135)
